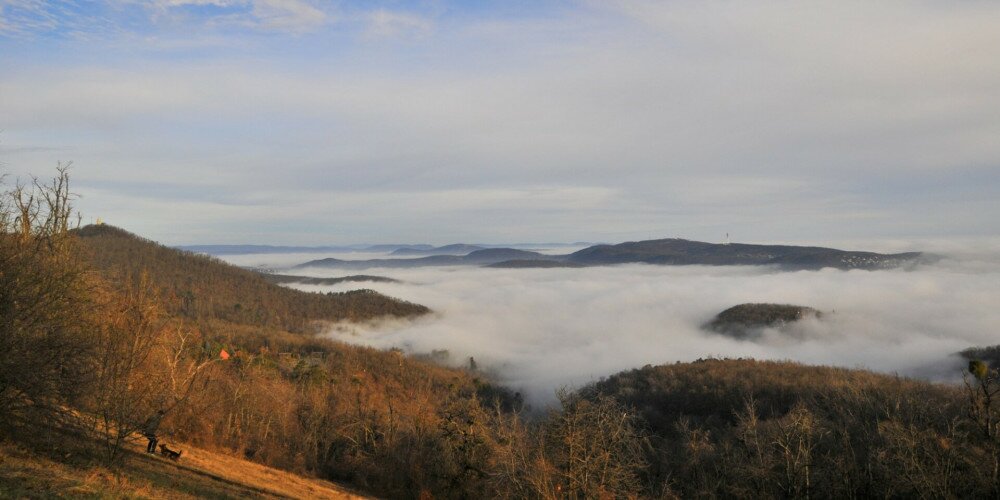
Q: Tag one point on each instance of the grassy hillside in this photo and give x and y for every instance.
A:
(197, 286)
(291, 399)
(31, 473)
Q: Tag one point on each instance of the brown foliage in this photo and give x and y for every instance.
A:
(779, 429)
(45, 323)
(198, 287)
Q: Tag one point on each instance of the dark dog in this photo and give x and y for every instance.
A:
(171, 454)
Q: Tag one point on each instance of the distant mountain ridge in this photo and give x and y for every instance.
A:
(671, 251)
(482, 257)
(283, 279)
(399, 249)
(272, 249)
(674, 251)
(456, 249)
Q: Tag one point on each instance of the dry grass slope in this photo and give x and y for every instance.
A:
(199, 474)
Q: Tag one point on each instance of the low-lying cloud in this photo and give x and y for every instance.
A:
(540, 329)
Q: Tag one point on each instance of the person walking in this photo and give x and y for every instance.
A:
(149, 428)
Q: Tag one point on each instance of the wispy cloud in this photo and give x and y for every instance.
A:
(292, 16)
(387, 23)
(773, 120)
(288, 15)
(25, 19)
(88, 20)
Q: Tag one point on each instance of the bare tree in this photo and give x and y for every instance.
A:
(127, 390)
(983, 392)
(142, 369)
(45, 320)
(596, 447)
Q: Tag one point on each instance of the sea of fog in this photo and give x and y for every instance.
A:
(537, 330)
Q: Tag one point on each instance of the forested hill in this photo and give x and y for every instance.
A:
(678, 252)
(768, 429)
(198, 286)
(671, 251)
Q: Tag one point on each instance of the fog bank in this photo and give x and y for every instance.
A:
(540, 329)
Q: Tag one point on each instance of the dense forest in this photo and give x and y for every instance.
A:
(745, 428)
(99, 329)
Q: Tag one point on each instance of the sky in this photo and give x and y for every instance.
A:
(305, 122)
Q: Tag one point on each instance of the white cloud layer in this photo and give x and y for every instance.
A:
(545, 328)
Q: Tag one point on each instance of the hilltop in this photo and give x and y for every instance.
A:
(198, 286)
(741, 321)
(675, 251)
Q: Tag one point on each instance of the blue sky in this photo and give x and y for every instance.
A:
(307, 122)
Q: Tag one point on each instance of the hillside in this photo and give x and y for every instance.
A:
(681, 252)
(197, 286)
(263, 385)
(742, 320)
(745, 428)
(26, 472)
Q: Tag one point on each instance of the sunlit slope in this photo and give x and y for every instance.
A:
(715, 390)
(198, 286)
(198, 474)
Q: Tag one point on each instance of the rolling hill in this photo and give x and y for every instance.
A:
(745, 320)
(740, 428)
(684, 252)
(455, 249)
(197, 286)
(660, 252)
(243, 367)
